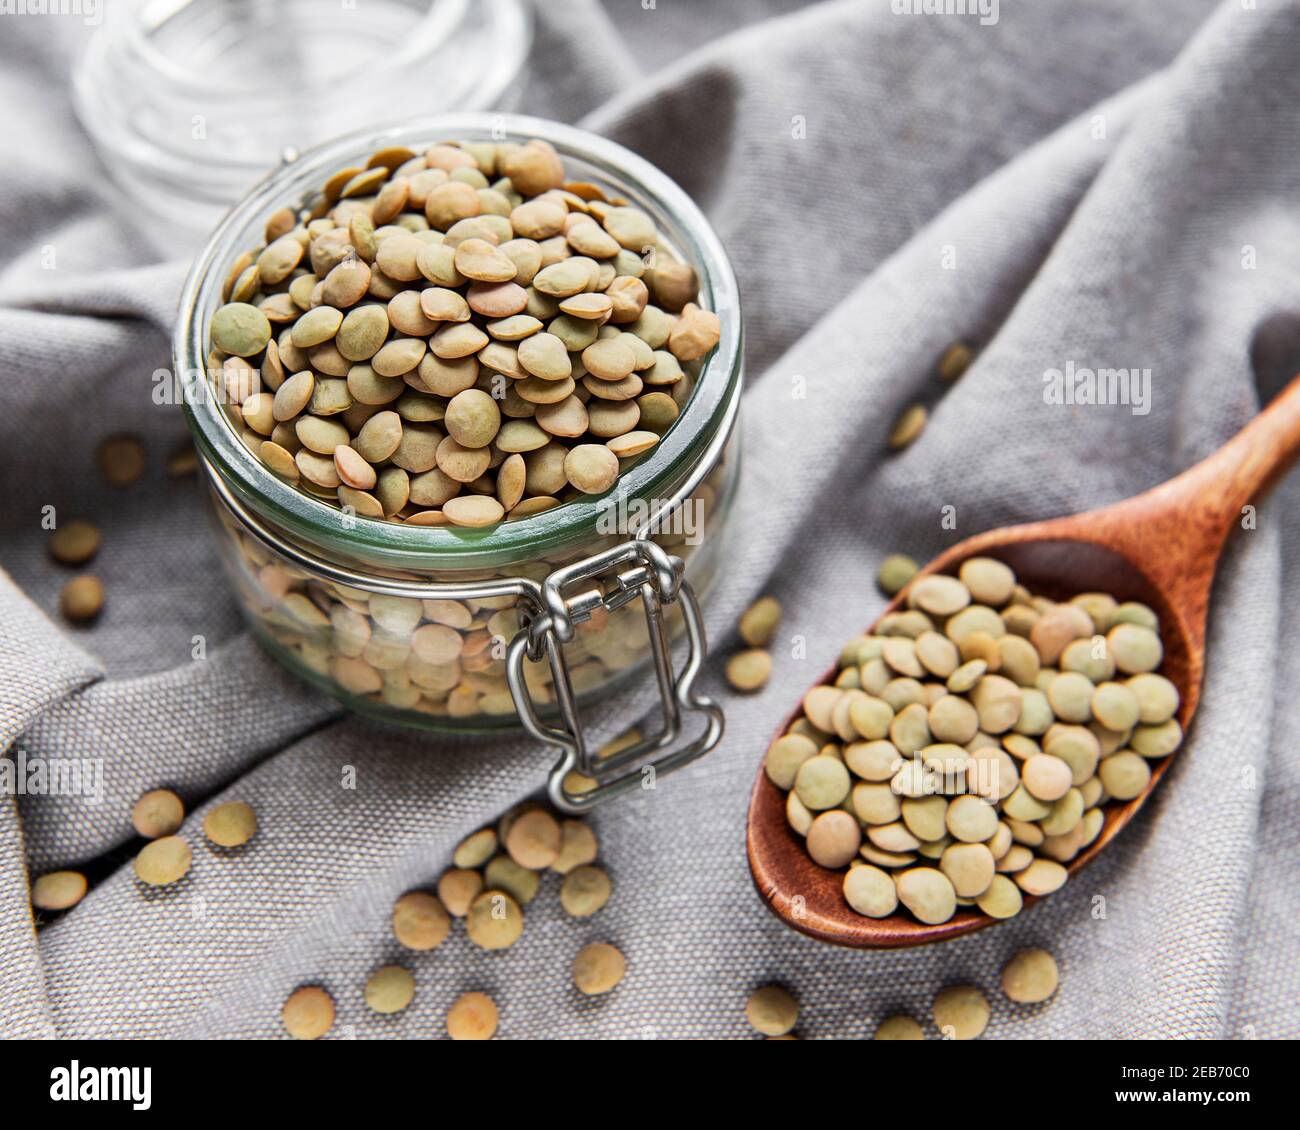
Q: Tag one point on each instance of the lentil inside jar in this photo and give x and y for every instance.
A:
(441, 661)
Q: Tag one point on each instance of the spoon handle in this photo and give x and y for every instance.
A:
(1177, 530)
(1246, 467)
(1207, 502)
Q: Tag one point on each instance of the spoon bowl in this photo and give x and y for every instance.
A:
(1160, 548)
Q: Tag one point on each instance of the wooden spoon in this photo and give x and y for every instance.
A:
(1160, 547)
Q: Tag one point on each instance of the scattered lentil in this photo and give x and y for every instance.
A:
(158, 813)
(961, 1012)
(163, 861)
(59, 890)
(75, 542)
(578, 846)
(494, 921)
(1030, 977)
(457, 889)
(598, 968)
(899, 1028)
(308, 1013)
(908, 427)
(955, 361)
(759, 622)
(230, 825)
(473, 1016)
(420, 922)
(894, 573)
(749, 670)
(584, 891)
(477, 849)
(82, 599)
(533, 840)
(772, 1010)
(390, 989)
(121, 460)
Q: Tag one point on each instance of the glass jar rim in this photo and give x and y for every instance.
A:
(433, 29)
(183, 141)
(706, 417)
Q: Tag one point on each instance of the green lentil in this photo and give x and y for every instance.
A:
(967, 753)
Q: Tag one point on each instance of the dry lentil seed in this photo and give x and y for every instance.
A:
(1136, 648)
(695, 332)
(308, 1013)
(833, 838)
(495, 921)
(988, 580)
(749, 670)
(584, 891)
(473, 510)
(457, 889)
(908, 427)
(159, 812)
(961, 1012)
(759, 622)
(420, 922)
(1124, 775)
(1003, 898)
(1030, 977)
(230, 825)
(477, 849)
(1156, 741)
(927, 893)
(533, 840)
(598, 969)
(163, 861)
(786, 755)
(870, 891)
(473, 1016)
(939, 595)
(121, 460)
(577, 847)
(822, 782)
(771, 1010)
(82, 599)
(240, 329)
(899, 1028)
(591, 468)
(59, 890)
(955, 361)
(75, 542)
(390, 989)
(1041, 877)
(1157, 698)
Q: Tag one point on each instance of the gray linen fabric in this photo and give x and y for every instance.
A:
(1099, 172)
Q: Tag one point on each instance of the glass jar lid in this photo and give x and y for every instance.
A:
(189, 102)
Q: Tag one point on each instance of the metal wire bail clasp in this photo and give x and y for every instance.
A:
(637, 568)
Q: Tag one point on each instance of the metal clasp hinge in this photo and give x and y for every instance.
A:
(638, 568)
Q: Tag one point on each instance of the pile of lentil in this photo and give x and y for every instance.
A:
(457, 336)
(495, 873)
(968, 747)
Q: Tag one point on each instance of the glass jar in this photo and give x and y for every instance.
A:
(524, 622)
(189, 102)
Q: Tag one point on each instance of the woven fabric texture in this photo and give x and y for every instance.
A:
(1110, 184)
